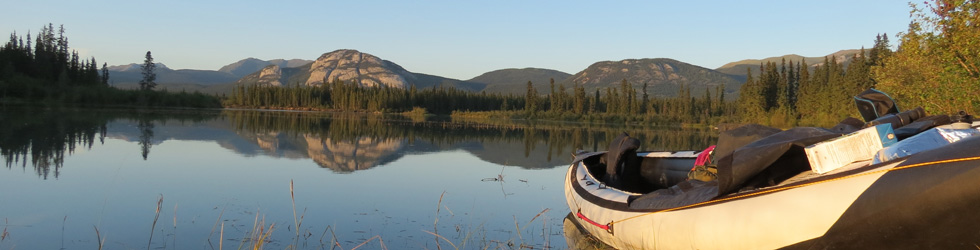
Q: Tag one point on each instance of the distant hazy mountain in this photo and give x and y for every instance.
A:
(351, 65)
(190, 80)
(663, 77)
(514, 81)
(739, 68)
(251, 65)
(132, 74)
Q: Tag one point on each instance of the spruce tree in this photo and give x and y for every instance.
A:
(149, 73)
(105, 74)
(530, 99)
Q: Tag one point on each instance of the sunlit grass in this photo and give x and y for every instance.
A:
(261, 234)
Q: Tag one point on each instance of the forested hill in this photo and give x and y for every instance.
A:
(663, 77)
(739, 68)
(514, 81)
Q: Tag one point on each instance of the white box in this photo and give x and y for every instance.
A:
(858, 146)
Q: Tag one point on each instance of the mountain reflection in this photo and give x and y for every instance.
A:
(343, 143)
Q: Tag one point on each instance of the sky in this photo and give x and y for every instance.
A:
(459, 39)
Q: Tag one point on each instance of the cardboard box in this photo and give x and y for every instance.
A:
(858, 146)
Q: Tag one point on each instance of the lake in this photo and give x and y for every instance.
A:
(225, 179)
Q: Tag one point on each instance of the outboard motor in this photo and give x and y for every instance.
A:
(873, 104)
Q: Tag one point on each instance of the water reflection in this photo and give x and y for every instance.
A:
(343, 143)
(146, 134)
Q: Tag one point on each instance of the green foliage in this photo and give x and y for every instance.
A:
(788, 95)
(48, 73)
(620, 104)
(344, 96)
(937, 64)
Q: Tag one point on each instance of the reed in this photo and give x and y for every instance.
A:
(494, 244)
(99, 238)
(435, 225)
(258, 236)
(221, 236)
(381, 241)
(215, 227)
(155, 218)
(3, 236)
(261, 233)
(292, 197)
(297, 223)
(175, 224)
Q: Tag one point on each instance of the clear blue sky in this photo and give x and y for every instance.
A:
(459, 39)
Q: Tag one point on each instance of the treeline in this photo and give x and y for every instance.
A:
(44, 69)
(789, 94)
(617, 103)
(626, 103)
(349, 96)
(937, 64)
(936, 67)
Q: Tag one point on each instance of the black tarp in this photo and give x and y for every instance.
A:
(750, 160)
(765, 161)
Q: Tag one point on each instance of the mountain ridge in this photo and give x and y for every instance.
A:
(739, 68)
(513, 80)
(664, 76)
(351, 66)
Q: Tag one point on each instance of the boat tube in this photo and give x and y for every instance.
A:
(765, 197)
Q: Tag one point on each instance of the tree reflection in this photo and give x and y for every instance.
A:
(41, 137)
(350, 142)
(343, 143)
(145, 127)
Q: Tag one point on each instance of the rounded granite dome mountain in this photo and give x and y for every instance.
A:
(351, 65)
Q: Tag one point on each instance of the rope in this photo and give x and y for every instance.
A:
(799, 186)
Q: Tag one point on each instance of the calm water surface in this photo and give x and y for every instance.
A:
(74, 177)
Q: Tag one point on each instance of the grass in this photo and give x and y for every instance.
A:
(155, 218)
(98, 238)
(262, 233)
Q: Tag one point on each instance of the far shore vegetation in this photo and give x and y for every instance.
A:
(936, 66)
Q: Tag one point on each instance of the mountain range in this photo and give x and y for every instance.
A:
(739, 68)
(663, 76)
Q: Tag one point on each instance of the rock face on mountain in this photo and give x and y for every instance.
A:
(351, 65)
(251, 65)
(514, 81)
(740, 68)
(270, 75)
(664, 77)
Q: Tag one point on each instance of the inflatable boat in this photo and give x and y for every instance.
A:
(926, 200)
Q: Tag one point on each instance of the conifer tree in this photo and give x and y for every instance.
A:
(105, 74)
(149, 75)
(530, 99)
